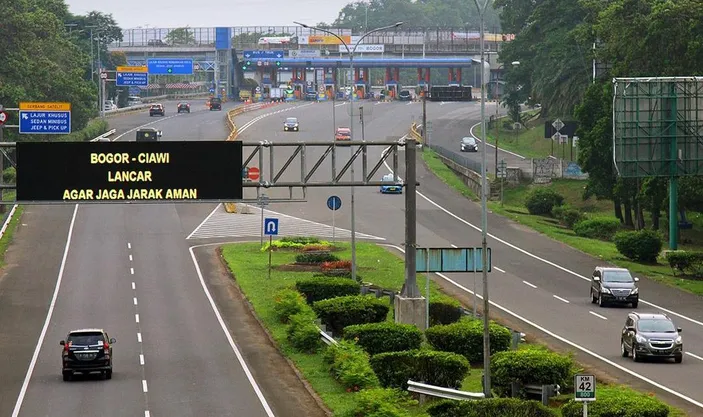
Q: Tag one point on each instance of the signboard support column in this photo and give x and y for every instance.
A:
(333, 228)
(427, 290)
(270, 252)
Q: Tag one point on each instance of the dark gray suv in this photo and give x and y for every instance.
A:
(614, 286)
(647, 335)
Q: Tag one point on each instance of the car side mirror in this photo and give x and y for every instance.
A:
(596, 278)
(62, 343)
(637, 279)
(678, 329)
(113, 340)
(630, 329)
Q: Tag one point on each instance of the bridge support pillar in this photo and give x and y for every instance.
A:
(450, 77)
(458, 76)
(427, 76)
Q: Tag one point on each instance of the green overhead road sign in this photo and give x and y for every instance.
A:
(584, 388)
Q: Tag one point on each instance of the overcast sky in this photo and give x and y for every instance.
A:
(212, 13)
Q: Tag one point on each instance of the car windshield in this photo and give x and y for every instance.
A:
(387, 177)
(617, 276)
(656, 326)
(292, 120)
(90, 338)
(468, 141)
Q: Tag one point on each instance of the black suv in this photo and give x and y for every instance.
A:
(215, 103)
(647, 335)
(86, 351)
(614, 285)
(405, 96)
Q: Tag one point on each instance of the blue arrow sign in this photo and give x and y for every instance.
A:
(170, 66)
(270, 227)
(263, 54)
(334, 203)
(45, 122)
(125, 79)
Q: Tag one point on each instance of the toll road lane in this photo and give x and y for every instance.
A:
(191, 368)
(94, 292)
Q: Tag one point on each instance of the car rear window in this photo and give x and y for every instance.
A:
(215, 100)
(86, 338)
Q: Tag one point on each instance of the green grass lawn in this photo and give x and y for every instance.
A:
(11, 227)
(445, 174)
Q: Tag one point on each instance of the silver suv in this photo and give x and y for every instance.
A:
(647, 335)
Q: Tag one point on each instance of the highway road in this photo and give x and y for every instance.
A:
(536, 282)
(126, 268)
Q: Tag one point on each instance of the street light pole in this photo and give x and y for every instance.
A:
(351, 124)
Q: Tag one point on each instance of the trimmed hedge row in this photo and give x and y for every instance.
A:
(614, 403)
(466, 338)
(530, 366)
(286, 303)
(383, 337)
(290, 307)
(641, 245)
(490, 407)
(350, 366)
(340, 312)
(323, 288)
(381, 402)
(603, 228)
(444, 369)
(444, 311)
(315, 258)
(685, 262)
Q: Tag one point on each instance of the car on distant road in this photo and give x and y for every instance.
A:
(468, 144)
(342, 134)
(215, 103)
(651, 335)
(405, 95)
(184, 107)
(614, 286)
(310, 96)
(291, 124)
(86, 351)
(396, 187)
(157, 109)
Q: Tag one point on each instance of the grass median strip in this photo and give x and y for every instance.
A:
(445, 174)
(11, 226)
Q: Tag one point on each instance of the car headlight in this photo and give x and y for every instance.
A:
(605, 290)
(640, 339)
(678, 340)
(635, 291)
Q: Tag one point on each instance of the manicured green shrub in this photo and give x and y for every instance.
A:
(303, 240)
(444, 369)
(350, 366)
(385, 336)
(286, 303)
(490, 407)
(541, 200)
(315, 258)
(613, 402)
(686, 262)
(641, 245)
(340, 312)
(302, 333)
(603, 228)
(444, 311)
(381, 402)
(466, 338)
(530, 366)
(323, 288)
(567, 215)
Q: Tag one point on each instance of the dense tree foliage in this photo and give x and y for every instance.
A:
(554, 44)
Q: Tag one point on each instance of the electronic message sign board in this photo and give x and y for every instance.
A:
(113, 172)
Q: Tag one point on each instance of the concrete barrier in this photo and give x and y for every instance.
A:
(140, 107)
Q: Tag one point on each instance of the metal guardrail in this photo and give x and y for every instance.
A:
(442, 392)
(104, 135)
(545, 392)
(329, 340)
(147, 100)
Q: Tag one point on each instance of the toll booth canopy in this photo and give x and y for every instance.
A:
(148, 135)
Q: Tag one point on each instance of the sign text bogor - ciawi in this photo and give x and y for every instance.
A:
(122, 177)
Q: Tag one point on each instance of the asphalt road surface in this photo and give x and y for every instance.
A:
(536, 282)
(127, 268)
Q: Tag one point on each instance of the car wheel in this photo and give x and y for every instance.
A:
(67, 375)
(108, 374)
(601, 303)
(678, 359)
(594, 299)
(623, 349)
(635, 356)
(634, 305)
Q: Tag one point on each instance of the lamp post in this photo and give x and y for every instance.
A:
(514, 64)
(351, 124)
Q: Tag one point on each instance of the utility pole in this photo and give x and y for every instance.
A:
(361, 120)
(425, 136)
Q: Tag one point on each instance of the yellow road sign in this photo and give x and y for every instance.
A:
(45, 106)
(132, 69)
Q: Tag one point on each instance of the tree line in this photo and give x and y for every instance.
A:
(557, 42)
(46, 57)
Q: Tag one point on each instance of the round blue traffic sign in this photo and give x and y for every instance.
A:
(334, 203)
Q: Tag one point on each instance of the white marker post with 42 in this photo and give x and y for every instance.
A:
(585, 390)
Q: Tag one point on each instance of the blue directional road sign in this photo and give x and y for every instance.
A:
(334, 203)
(263, 54)
(126, 79)
(170, 66)
(270, 227)
(45, 118)
(212, 90)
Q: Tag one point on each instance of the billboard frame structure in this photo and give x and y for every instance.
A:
(658, 132)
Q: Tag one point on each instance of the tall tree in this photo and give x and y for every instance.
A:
(180, 36)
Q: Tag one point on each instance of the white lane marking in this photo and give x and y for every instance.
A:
(141, 359)
(7, 221)
(129, 245)
(234, 347)
(598, 315)
(139, 337)
(531, 255)
(145, 125)
(471, 131)
(257, 118)
(565, 340)
(561, 299)
(147, 414)
(130, 258)
(498, 269)
(204, 221)
(694, 356)
(454, 246)
(136, 318)
(134, 286)
(49, 314)
(529, 284)
(144, 387)
(131, 271)
(135, 301)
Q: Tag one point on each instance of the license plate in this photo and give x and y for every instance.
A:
(621, 298)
